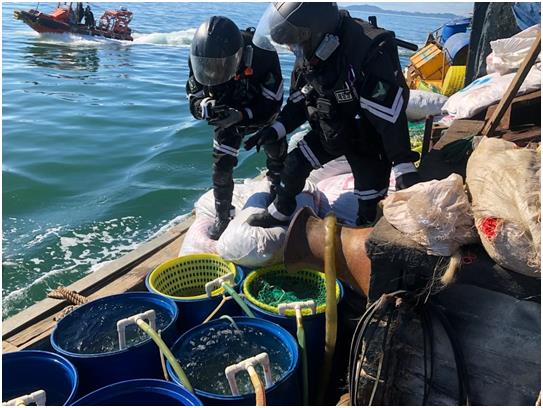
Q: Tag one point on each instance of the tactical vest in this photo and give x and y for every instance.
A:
(330, 87)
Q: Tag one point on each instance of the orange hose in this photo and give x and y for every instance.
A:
(215, 311)
(260, 391)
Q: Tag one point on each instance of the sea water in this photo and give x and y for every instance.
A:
(207, 355)
(94, 328)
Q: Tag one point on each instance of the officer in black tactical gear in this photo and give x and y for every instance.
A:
(238, 89)
(347, 82)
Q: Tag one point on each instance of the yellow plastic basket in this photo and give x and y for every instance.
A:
(185, 277)
(313, 280)
(454, 80)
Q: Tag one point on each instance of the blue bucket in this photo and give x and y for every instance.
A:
(197, 308)
(454, 27)
(101, 365)
(142, 392)
(285, 391)
(25, 372)
(314, 328)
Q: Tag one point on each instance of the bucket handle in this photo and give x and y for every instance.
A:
(300, 334)
(297, 306)
(148, 315)
(37, 397)
(217, 283)
(248, 365)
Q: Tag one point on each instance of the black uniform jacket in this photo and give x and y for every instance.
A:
(358, 90)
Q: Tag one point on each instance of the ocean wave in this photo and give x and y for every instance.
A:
(76, 39)
(181, 38)
(75, 253)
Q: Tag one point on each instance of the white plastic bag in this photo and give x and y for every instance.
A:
(486, 91)
(196, 239)
(436, 214)
(330, 169)
(242, 191)
(251, 246)
(339, 198)
(504, 182)
(337, 195)
(423, 103)
(508, 53)
(255, 246)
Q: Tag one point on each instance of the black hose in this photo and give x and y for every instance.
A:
(407, 45)
(359, 335)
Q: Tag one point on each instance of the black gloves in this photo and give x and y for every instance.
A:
(407, 180)
(195, 108)
(262, 137)
(226, 118)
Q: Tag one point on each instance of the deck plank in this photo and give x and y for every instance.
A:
(8, 347)
(94, 281)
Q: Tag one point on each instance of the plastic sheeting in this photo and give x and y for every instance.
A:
(436, 214)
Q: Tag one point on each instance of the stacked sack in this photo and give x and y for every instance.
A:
(504, 183)
(506, 57)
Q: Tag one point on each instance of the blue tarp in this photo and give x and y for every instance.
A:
(527, 14)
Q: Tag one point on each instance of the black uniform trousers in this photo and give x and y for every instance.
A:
(368, 161)
(226, 144)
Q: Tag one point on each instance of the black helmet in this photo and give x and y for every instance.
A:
(216, 51)
(301, 26)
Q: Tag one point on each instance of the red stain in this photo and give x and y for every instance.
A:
(489, 226)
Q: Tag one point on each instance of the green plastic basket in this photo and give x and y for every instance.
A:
(268, 287)
(185, 277)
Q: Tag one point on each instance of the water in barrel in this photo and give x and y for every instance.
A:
(96, 328)
(218, 347)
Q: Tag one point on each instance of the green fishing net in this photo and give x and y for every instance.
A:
(416, 136)
(273, 289)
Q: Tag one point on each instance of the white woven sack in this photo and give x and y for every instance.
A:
(486, 91)
(504, 183)
(508, 53)
(424, 103)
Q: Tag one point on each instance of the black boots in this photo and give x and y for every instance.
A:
(265, 220)
(367, 212)
(222, 219)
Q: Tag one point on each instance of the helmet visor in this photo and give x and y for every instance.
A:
(274, 29)
(215, 71)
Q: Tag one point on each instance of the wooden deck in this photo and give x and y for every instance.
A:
(31, 327)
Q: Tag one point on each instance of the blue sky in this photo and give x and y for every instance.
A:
(460, 8)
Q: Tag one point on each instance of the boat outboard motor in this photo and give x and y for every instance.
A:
(216, 51)
(306, 28)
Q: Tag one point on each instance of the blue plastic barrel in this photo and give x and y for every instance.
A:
(315, 330)
(24, 372)
(142, 392)
(454, 27)
(195, 311)
(456, 48)
(94, 324)
(285, 391)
